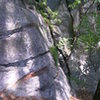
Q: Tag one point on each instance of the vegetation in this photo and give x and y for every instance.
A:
(85, 37)
(88, 36)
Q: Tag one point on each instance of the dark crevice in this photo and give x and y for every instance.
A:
(11, 32)
(72, 20)
(24, 62)
(61, 52)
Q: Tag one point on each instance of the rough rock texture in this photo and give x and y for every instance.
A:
(84, 66)
(66, 21)
(24, 50)
(85, 69)
(53, 4)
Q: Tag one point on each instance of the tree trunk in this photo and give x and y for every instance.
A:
(27, 68)
(97, 93)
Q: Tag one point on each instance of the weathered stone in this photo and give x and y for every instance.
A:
(20, 46)
(25, 50)
(10, 19)
(53, 4)
(85, 70)
(66, 21)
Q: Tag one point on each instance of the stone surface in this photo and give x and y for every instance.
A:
(21, 45)
(84, 67)
(66, 21)
(53, 4)
(24, 47)
(85, 70)
(10, 19)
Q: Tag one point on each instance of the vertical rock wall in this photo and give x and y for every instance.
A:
(26, 66)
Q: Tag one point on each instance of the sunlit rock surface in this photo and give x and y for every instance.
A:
(84, 66)
(24, 47)
(85, 69)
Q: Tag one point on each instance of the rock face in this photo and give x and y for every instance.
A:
(84, 66)
(85, 69)
(26, 65)
(66, 21)
(53, 4)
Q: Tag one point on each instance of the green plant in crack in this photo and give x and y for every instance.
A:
(55, 55)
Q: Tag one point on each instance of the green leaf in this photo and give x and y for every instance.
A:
(54, 53)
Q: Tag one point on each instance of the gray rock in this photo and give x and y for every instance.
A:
(24, 49)
(66, 21)
(85, 70)
(53, 4)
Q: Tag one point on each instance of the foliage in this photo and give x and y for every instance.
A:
(63, 41)
(49, 16)
(90, 40)
(54, 53)
(88, 37)
(98, 23)
(74, 4)
(76, 80)
(51, 19)
(97, 0)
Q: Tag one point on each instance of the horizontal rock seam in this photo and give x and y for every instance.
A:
(27, 76)
(7, 34)
(18, 63)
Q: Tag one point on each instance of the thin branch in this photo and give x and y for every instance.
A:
(76, 37)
